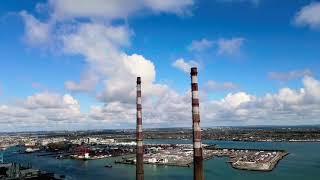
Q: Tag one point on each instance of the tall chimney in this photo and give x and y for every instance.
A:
(139, 136)
(197, 147)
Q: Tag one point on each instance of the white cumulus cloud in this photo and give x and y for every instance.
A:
(88, 83)
(170, 109)
(200, 45)
(41, 111)
(291, 75)
(184, 65)
(115, 9)
(287, 107)
(217, 86)
(255, 2)
(309, 16)
(36, 33)
(230, 46)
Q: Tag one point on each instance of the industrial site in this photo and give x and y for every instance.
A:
(101, 147)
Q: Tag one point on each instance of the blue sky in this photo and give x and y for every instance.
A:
(244, 49)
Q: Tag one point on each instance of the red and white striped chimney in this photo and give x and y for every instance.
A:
(197, 146)
(139, 134)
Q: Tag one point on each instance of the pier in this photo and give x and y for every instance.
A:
(181, 155)
(252, 159)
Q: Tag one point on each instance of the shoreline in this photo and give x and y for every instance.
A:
(280, 141)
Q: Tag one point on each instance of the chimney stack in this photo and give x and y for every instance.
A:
(197, 146)
(139, 135)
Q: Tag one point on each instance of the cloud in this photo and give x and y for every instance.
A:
(170, 109)
(117, 87)
(41, 110)
(100, 43)
(86, 29)
(170, 6)
(113, 67)
(50, 101)
(309, 16)
(115, 9)
(216, 87)
(114, 114)
(167, 110)
(36, 32)
(230, 46)
(291, 75)
(87, 83)
(312, 87)
(236, 99)
(224, 46)
(65, 13)
(183, 65)
(200, 45)
(287, 107)
(254, 2)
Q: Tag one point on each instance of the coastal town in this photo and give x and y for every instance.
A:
(247, 134)
(93, 146)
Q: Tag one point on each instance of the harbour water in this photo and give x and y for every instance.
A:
(303, 162)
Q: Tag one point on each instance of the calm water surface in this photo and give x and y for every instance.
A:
(303, 163)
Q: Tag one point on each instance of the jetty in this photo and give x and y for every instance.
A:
(252, 159)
